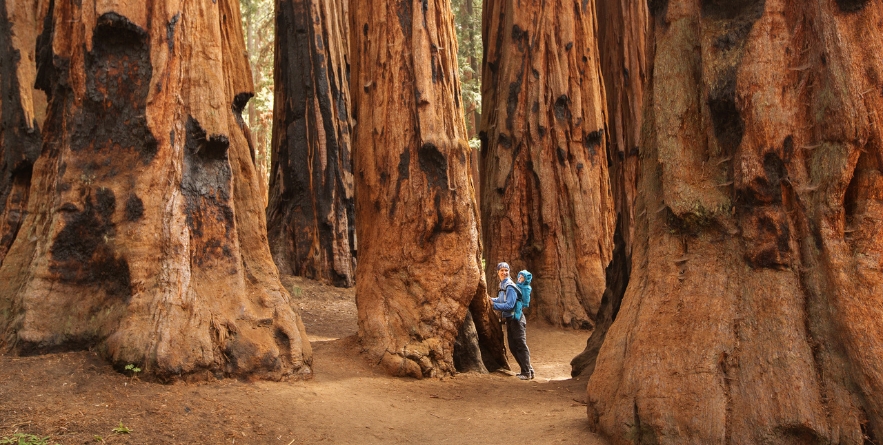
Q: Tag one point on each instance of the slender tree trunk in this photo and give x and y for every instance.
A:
(623, 30)
(546, 198)
(754, 313)
(144, 225)
(310, 216)
(419, 250)
(21, 110)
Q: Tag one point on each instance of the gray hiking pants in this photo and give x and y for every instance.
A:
(516, 330)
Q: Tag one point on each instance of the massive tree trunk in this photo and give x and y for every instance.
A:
(755, 309)
(21, 112)
(623, 28)
(310, 216)
(419, 249)
(546, 202)
(144, 236)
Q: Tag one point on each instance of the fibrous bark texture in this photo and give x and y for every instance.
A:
(419, 249)
(546, 201)
(754, 313)
(310, 215)
(623, 30)
(144, 233)
(21, 111)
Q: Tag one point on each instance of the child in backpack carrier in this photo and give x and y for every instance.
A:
(523, 284)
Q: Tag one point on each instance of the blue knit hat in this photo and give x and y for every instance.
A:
(503, 265)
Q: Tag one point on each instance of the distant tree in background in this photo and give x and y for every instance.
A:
(467, 21)
(310, 211)
(546, 200)
(259, 28)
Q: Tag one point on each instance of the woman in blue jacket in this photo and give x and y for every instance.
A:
(516, 322)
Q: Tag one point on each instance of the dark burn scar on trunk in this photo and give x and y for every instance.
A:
(134, 208)
(592, 141)
(404, 174)
(206, 187)
(20, 140)
(170, 32)
(404, 161)
(46, 72)
(562, 112)
(83, 252)
(112, 120)
(726, 120)
(512, 99)
(403, 11)
(434, 165)
(850, 6)
(732, 9)
(737, 18)
(519, 36)
(240, 101)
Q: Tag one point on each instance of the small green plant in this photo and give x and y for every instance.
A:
(133, 369)
(98, 438)
(24, 439)
(121, 429)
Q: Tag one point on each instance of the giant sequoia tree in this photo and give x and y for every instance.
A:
(20, 110)
(546, 202)
(310, 215)
(755, 309)
(419, 249)
(623, 27)
(143, 236)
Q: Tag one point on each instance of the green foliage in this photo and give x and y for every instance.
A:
(121, 429)
(467, 19)
(133, 368)
(24, 439)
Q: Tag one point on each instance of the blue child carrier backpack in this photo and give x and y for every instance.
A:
(523, 294)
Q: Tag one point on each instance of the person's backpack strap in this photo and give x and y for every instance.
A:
(517, 290)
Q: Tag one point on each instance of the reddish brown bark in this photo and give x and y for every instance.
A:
(310, 215)
(623, 28)
(754, 312)
(419, 249)
(546, 202)
(145, 224)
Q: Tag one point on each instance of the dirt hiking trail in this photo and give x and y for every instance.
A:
(76, 398)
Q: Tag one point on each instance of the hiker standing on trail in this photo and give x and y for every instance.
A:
(516, 322)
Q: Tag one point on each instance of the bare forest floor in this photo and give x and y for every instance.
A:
(77, 398)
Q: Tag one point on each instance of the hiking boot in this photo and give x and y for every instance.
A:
(523, 376)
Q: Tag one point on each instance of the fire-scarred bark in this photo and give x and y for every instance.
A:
(419, 248)
(755, 309)
(310, 215)
(144, 236)
(546, 201)
(21, 112)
